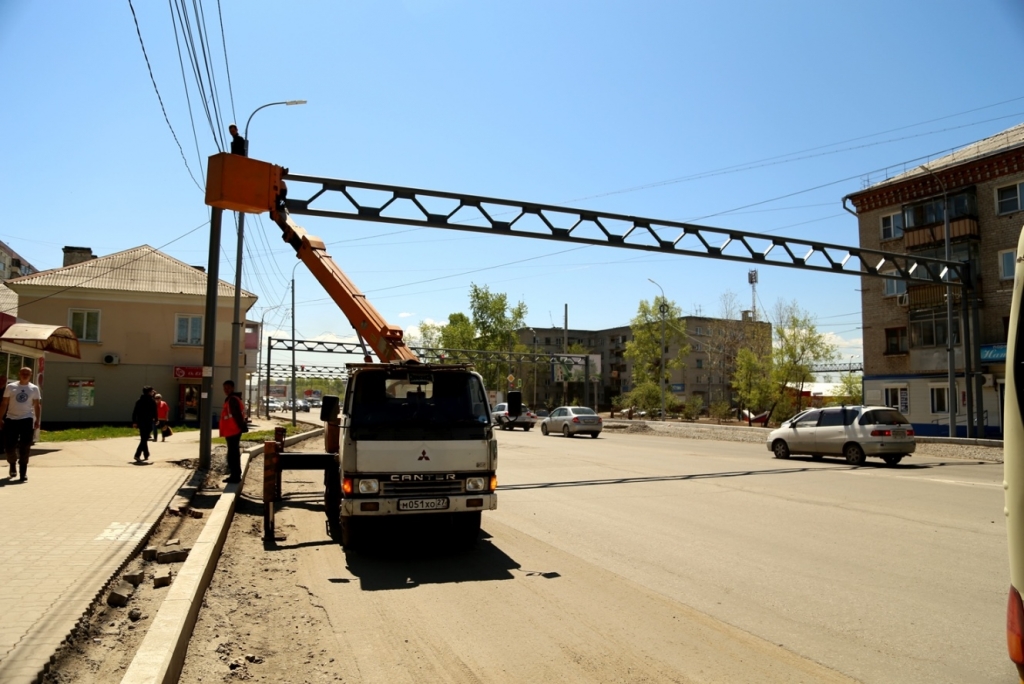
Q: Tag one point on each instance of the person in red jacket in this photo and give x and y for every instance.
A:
(232, 425)
(163, 411)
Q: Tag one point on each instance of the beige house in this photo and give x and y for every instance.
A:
(138, 316)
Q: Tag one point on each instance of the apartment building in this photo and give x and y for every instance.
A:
(905, 326)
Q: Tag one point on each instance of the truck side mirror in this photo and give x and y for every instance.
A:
(329, 408)
(515, 403)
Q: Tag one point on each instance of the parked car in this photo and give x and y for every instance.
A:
(526, 420)
(572, 421)
(273, 405)
(315, 403)
(541, 413)
(302, 405)
(854, 432)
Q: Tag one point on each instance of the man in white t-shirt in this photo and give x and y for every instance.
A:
(19, 417)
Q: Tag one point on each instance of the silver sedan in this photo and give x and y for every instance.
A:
(572, 421)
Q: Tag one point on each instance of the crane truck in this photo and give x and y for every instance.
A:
(409, 438)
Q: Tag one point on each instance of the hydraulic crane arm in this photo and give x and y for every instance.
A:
(242, 184)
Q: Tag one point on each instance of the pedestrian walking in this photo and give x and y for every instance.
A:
(143, 417)
(162, 413)
(232, 425)
(19, 418)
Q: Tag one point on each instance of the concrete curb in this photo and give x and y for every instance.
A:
(161, 655)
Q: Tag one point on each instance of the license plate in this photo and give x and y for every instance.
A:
(899, 433)
(422, 504)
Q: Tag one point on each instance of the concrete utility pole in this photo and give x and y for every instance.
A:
(209, 341)
(952, 399)
(294, 398)
(661, 351)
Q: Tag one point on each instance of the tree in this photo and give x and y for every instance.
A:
(798, 346)
(644, 350)
(850, 390)
(753, 380)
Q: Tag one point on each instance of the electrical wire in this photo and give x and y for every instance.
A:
(184, 83)
(107, 272)
(227, 68)
(163, 109)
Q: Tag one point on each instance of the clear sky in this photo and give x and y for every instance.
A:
(674, 110)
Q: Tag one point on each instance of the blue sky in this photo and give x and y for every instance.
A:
(557, 102)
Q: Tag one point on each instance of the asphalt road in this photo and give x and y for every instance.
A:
(642, 558)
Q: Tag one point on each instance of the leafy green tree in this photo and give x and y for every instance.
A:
(753, 380)
(693, 407)
(798, 346)
(644, 350)
(645, 396)
(850, 390)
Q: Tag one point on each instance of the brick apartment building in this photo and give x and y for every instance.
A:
(905, 337)
(706, 373)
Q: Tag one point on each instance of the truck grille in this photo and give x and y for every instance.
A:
(441, 488)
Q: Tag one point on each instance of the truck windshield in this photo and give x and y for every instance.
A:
(409, 404)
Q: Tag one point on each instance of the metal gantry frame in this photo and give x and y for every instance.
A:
(393, 204)
(427, 354)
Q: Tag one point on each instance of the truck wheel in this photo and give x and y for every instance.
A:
(332, 507)
(854, 454)
(892, 459)
(466, 527)
(350, 532)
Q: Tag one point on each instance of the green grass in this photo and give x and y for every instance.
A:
(266, 435)
(93, 433)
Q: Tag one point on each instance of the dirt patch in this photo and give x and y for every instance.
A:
(106, 640)
(103, 645)
(258, 622)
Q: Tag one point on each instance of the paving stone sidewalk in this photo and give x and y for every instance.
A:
(85, 509)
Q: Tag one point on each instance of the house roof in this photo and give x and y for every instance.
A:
(8, 301)
(996, 144)
(140, 269)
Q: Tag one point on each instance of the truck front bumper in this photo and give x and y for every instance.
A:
(457, 503)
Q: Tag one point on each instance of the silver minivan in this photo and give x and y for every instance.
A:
(854, 432)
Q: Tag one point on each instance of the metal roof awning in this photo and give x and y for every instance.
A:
(52, 338)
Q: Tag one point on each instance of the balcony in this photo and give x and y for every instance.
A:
(928, 296)
(933, 235)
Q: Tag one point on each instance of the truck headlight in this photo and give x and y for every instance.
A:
(475, 484)
(368, 486)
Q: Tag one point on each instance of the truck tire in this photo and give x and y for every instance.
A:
(332, 508)
(466, 529)
(350, 529)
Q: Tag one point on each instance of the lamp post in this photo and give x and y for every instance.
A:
(259, 355)
(950, 350)
(293, 343)
(236, 324)
(661, 352)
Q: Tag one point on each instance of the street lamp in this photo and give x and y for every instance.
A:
(293, 342)
(664, 310)
(259, 355)
(236, 324)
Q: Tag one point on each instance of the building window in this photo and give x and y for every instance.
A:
(85, 323)
(892, 226)
(700, 331)
(939, 399)
(898, 398)
(700, 363)
(1008, 199)
(1007, 263)
(892, 287)
(188, 329)
(896, 341)
(929, 330)
(931, 211)
(81, 392)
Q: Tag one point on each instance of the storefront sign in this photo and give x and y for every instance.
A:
(993, 353)
(188, 372)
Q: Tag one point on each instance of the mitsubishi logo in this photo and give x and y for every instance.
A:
(423, 456)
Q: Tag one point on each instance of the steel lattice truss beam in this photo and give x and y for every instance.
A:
(473, 213)
(316, 346)
(432, 355)
(837, 368)
(278, 370)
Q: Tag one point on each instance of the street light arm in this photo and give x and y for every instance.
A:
(269, 104)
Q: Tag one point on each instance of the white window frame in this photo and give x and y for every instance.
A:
(188, 342)
(1018, 189)
(81, 392)
(944, 389)
(85, 324)
(1012, 253)
(895, 231)
(891, 287)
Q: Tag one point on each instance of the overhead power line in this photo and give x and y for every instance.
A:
(142, 44)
